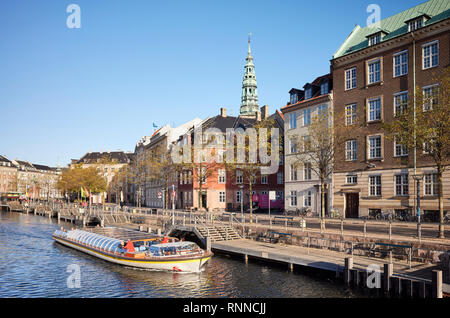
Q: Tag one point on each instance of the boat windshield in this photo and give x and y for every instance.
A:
(173, 248)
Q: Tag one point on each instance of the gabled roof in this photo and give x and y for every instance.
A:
(395, 25)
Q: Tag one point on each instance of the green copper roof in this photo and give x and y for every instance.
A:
(395, 25)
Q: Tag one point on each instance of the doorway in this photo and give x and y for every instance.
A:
(352, 205)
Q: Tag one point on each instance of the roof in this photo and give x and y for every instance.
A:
(93, 157)
(4, 159)
(395, 25)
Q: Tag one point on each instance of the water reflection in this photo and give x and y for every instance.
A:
(33, 265)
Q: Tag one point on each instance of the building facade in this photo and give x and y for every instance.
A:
(302, 184)
(375, 72)
(8, 175)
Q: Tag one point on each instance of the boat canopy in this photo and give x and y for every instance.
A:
(93, 240)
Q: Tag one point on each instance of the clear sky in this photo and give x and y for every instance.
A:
(66, 91)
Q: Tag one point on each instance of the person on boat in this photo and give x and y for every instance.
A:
(129, 247)
(165, 240)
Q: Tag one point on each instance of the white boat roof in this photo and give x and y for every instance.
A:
(174, 244)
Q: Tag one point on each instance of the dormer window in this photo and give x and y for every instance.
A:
(375, 39)
(294, 98)
(324, 88)
(415, 24)
(308, 93)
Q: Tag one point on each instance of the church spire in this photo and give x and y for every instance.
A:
(249, 99)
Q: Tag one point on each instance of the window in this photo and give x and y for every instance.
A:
(294, 98)
(350, 78)
(374, 109)
(351, 150)
(238, 196)
(375, 185)
(430, 96)
(239, 178)
(307, 199)
(400, 102)
(375, 39)
(324, 88)
(350, 114)
(431, 184)
(401, 184)
(322, 111)
(279, 195)
(427, 147)
(415, 24)
(307, 145)
(280, 178)
(401, 63)
(222, 197)
(306, 117)
(430, 55)
(222, 176)
(264, 179)
(308, 93)
(293, 145)
(293, 172)
(293, 120)
(374, 71)
(400, 150)
(307, 171)
(293, 198)
(374, 147)
(351, 179)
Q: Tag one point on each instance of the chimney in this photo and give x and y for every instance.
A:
(101, 151)
(223, 112)
(258, 115)
(109, 151)
(265, 112)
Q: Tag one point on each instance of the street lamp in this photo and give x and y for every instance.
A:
(242, 201)
(418, 177)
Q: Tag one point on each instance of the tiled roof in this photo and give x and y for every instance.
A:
(395, 25)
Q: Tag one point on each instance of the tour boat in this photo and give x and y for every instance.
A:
(136, 249)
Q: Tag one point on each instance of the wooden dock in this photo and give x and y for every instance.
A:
(296, 256)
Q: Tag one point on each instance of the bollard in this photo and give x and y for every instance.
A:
(246, 258)
(436, 283)
(348, 266)
(388, 270)
(291, 267)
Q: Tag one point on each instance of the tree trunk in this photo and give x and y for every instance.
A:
(250, 199)
(441, 203)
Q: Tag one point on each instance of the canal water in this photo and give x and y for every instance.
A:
(33, 265)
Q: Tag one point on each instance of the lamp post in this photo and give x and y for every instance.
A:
(418, 177)
(242, 201)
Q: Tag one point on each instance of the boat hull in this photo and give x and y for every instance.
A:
(186, 264)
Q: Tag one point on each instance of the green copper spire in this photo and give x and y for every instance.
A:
(249, 99)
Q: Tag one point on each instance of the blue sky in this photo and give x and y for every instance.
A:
(66, 91)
